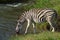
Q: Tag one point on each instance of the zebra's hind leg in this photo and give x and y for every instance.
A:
(50, 21)
(34, 28)
(28, 24)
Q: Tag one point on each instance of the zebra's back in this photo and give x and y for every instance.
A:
(38, 15)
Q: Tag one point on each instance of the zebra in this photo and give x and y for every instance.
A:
(37, 15)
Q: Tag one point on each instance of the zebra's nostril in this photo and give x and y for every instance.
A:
(17, 32)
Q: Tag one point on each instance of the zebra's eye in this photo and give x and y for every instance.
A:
(19, 25)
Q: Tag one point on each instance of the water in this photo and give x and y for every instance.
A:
(8, 17)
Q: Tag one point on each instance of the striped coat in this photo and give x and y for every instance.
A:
(37, 16)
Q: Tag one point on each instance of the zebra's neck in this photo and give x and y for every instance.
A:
(22, 18)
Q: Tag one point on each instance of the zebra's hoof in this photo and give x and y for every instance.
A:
(52, 30)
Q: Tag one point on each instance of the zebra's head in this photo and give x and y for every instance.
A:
(18, 27)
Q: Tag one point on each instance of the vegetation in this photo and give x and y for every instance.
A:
(40, 36)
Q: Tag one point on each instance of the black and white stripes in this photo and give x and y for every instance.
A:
(37, 16)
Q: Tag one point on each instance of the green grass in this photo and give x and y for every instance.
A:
(40, 36)
(54, 4)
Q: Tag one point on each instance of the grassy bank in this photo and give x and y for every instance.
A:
(39, 36)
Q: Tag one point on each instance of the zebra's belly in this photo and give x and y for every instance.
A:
(36, 20)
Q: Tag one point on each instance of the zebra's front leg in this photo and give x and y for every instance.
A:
(52, 28)
(34, 28)
(28, 24)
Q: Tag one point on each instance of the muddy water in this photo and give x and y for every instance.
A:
(8, 17)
